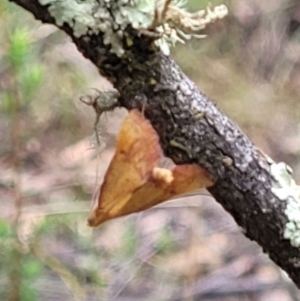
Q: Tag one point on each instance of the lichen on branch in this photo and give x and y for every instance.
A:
(166, 21)
(286, 189)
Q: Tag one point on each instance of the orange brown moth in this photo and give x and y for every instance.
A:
(134, 181)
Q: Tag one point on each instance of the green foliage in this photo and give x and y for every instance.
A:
(5, 229)
(19, 48)
(31, 79)
(31, 271)
(25, 76)
(27, 293)
(22, 92)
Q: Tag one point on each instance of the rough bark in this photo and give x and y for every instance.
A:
(192, 129)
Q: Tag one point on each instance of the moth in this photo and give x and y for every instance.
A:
(134, 180)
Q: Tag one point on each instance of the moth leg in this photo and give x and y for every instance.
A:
(96, 131)
(102, 102)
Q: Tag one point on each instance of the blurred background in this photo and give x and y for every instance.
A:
(188, 249)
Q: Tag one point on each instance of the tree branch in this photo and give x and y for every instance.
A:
(257, 192)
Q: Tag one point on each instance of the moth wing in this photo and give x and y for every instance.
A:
(137, 153)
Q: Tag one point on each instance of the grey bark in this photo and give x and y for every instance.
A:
(192, 129)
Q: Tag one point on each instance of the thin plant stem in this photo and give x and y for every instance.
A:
(15, 277)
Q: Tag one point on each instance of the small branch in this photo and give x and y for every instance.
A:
(259, 194)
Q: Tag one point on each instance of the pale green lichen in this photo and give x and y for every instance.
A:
(165, 20)
(78, 14)
(286, 189)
